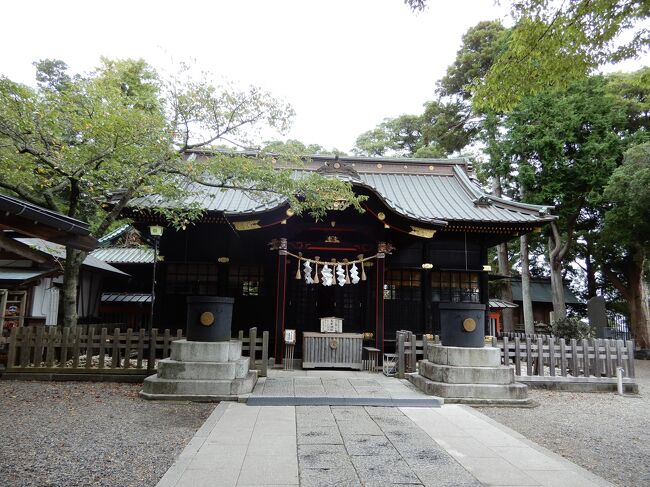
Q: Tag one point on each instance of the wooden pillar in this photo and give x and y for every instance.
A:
(280, 299)
(485, 287)
(379, 297)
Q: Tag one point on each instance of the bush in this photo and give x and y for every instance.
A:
(571, 327)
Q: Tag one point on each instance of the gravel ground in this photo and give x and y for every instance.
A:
(82, 433)
(607, 434)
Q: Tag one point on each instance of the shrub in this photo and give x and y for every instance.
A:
(571, 327)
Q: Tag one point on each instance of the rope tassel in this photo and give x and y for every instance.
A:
(316, 281)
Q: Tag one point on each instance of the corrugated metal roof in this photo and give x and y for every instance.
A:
(231, 201)
(501, 304)
(448, 194)
(16, 274)
(540, 292)
(114, 234)
(58, 251)
(126, 298)
(120, 255)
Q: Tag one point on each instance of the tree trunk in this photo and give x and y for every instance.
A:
(637, 301)
(527, 303)
(73, 261)
(508, 314)
(557, 290)
(591, 272)
(556, 253)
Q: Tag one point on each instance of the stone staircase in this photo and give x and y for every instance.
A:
(468, 375)
(202, 371)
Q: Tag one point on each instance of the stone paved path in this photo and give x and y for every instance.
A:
(374, 446)
(242, 445)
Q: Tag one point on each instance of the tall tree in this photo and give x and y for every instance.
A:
(624, 238)
(566, 145)
(86, 145)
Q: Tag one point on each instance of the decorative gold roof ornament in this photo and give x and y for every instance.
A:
(422, 232)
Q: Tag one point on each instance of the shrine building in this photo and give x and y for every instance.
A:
(418, 250)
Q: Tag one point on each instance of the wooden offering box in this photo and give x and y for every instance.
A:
(332, 350)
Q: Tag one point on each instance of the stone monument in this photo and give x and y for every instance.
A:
(462, 369)
(207, 366)
(597, 314)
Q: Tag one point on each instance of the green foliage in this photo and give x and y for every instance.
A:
(480, 47)
(298, 148)
(399, 136)
(566, 145)
(87, 144)
(571, 328)
(627, 220)
(554, 44)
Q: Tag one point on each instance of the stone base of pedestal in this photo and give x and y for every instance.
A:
(201, 371)
(468, 375)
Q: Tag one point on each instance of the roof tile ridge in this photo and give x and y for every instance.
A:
(476, 191)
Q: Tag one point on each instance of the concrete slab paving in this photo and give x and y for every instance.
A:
(243, 445)
(337, 388)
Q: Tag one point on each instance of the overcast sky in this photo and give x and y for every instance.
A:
(344, 65)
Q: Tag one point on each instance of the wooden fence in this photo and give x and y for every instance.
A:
(259, 344)
(511, 335)
(555, 357)
(409, 348)
(87, 350)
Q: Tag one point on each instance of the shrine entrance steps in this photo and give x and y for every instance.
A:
(337, 388)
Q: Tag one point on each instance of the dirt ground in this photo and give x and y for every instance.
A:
(603, 432)
(83, 433)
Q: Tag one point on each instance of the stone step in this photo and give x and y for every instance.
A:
(515, 393)
(155, 387)
(185, 351)
(412, 402)
(172, 369)
(501, 374)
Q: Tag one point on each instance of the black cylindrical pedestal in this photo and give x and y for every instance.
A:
(209, 318)
(462, 324)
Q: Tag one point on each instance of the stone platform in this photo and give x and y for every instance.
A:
(469, 375)
(201, 371)
(336, 388)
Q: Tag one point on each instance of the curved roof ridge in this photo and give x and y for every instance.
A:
(475, 190)
(344, 158)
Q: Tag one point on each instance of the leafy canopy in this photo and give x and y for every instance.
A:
(554, 43)
(87, 145)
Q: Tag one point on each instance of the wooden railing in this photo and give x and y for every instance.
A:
(84, 349)
(88, 350)
(555, 357)
(511, 335)
(259, 344)
(409, 348)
